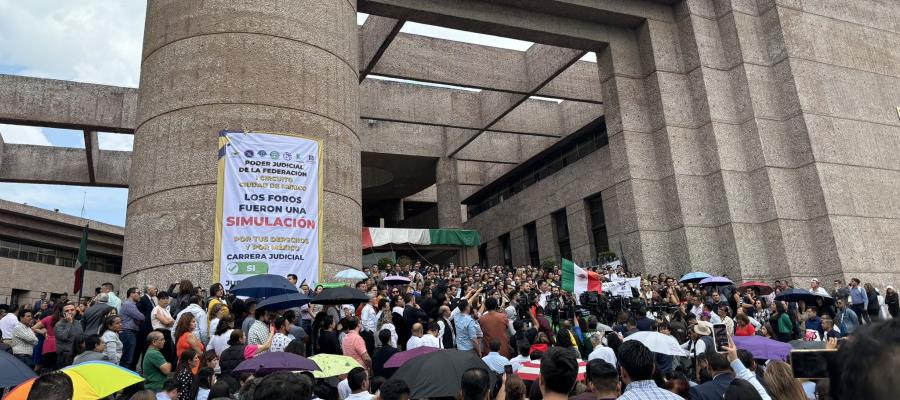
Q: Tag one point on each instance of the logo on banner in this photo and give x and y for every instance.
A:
(248, 153)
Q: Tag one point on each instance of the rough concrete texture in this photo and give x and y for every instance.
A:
(754, 138)
(246, 65)
(21, 274)
(746, 138)
(64, 104)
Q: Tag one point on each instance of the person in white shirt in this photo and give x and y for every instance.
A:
(368, 319)
(522, 357)
(416, 339)
(358, 381)
(816, 289)
(600, 351)
(282, 337)
(430, 339)
(202, 329)
(385, 321)
(8, 322)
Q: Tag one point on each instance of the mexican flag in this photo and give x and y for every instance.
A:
(374, 237)
(81, 262)
(577, 281)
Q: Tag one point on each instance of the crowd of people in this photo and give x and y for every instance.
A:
(186, 341)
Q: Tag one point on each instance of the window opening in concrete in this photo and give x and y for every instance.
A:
(531, 240)
(598, 224)
(561, 225)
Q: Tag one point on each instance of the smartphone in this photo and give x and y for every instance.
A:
(813, 364)
(720, 336)
(507, 369)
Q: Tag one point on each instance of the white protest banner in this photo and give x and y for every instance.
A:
(622, 287)
(268, 215)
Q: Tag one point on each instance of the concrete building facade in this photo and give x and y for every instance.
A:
(38, 249)
(756, 138)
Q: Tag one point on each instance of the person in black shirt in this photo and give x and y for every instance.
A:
(328, 339)
(383, 354)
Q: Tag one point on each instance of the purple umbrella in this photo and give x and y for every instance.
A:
(716, 281)
(397, 360)
(763, 348)
(396, 280)
(275, 361)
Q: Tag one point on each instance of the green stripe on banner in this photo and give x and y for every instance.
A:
(456, 237)
(568, 275)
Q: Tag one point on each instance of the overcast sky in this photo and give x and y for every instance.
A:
(99, 41)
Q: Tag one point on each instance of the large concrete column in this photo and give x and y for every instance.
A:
(447, 177)
(288, 66)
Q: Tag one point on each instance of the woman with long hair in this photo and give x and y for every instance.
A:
(780, 382)
(109, 334)
(185, 291)
(184, 336)
(386, 321)
(218, 342)
(188, 361)
(47, 325)
(784, 327)
(216, 313)
(162, 321)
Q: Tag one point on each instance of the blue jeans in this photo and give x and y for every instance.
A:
(129, 342)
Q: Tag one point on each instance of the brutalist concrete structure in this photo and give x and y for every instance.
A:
(756, 138)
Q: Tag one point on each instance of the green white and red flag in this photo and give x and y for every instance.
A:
(576, 280)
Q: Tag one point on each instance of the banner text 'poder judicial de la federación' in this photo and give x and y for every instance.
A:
(268, 217)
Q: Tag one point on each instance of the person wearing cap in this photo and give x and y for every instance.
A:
(701, 339)
(816, 289)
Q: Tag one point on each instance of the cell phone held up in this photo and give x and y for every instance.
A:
(507, 369)
(720, 336)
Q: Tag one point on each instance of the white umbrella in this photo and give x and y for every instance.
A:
(351, 273)
(658, 343)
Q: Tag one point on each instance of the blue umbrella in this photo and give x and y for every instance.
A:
(716, 281)
(694, 277)
(260, 286)
(351, 273)
(14, 371)
(283, 301)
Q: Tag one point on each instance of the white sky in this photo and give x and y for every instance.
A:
(99, 41)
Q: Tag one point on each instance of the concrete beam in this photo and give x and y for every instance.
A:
(543, 63)
(92, 153)
(524, 20)
(25, 163)
(375, 36)
(434, 60)
(382, 100)
(64, 104)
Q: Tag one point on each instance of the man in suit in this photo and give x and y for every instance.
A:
(721, 373)
(145, 305)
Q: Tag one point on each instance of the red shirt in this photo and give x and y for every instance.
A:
(746, 330)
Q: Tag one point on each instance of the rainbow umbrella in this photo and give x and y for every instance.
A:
(333, 365)
(90, 381)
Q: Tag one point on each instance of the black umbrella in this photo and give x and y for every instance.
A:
(283, 301)
(794, 295)
(14, 371)
(261, 286)
(340, 295)
(438, 374)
